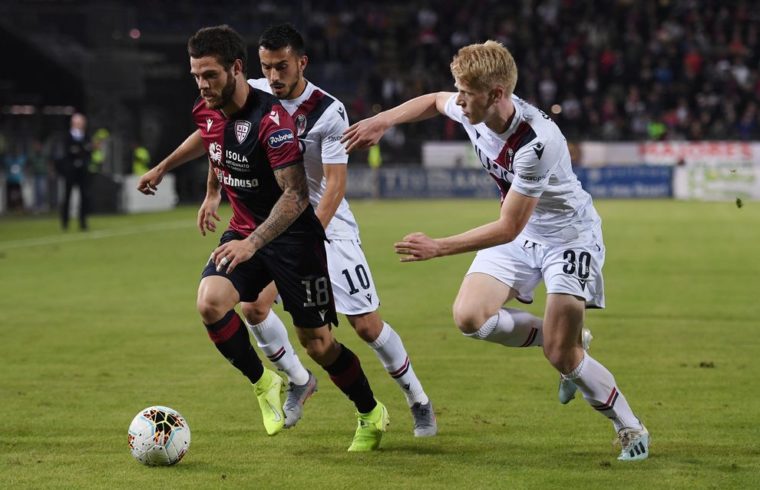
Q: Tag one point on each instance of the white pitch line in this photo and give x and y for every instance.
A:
(94, 235)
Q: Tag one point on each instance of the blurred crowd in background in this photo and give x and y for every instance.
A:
(604, 70)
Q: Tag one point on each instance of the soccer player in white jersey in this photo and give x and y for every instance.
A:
(320, 121)
(547, 229)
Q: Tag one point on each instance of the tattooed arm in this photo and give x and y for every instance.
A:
(290, 205)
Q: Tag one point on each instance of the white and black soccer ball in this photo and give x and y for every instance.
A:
(159, 436)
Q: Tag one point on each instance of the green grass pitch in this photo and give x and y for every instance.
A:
(96, 326)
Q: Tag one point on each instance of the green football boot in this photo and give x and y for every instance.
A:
(370, 428)
(267, 390)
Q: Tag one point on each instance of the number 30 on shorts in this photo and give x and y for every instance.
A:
(580, 263)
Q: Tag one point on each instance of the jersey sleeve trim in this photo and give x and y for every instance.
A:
(516, 185)
(287, 164)
(525, 192)
(335, 160)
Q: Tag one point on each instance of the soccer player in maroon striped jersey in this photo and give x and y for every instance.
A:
(320, 120)
(273, 235)
(547, 230)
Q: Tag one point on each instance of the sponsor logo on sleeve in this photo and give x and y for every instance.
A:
(242, 128)
(280, 137)
(532, 178)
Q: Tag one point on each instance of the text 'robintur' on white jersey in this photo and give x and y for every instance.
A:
(532, 158)
(320, 121)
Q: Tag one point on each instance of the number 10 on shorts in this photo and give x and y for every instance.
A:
(317, 292)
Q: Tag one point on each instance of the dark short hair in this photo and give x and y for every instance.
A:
(281, 36)
(222, 41)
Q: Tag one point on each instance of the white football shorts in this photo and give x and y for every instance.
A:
(352, 283)
(575, 268)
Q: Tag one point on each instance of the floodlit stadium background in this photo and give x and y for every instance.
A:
(658, 100)
(672, 72)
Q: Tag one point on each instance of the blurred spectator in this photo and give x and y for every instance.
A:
(74, 168)
(99, 155)
(15, 163)
(41, 170)
(140, 159)
(3, 145)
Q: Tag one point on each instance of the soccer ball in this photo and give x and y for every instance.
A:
(158, 436)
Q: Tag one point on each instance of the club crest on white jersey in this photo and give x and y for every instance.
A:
(300, 124)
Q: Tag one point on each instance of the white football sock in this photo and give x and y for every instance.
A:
(272, 338)
(390, 350)
(599, 389)
(513, 328)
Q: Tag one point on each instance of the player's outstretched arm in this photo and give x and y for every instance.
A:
(515, 213)
(188, 150)
(368, 132)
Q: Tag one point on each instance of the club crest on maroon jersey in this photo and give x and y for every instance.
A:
(242, 128)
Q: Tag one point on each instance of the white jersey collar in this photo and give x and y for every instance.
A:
(307, 91)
